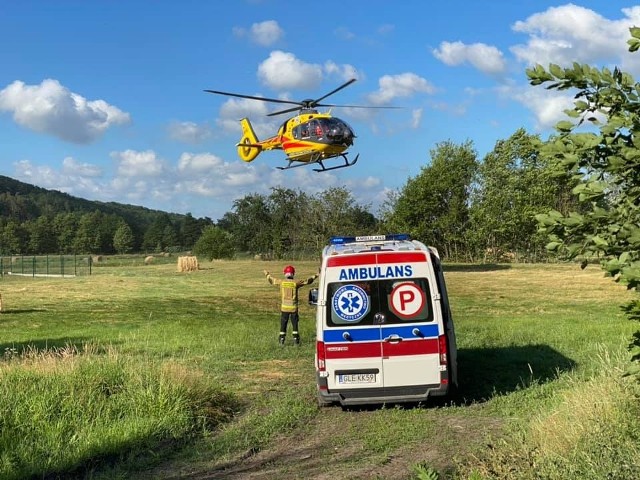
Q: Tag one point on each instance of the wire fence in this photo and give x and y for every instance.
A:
(46, 265)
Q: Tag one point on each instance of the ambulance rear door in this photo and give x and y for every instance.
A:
(409, 331)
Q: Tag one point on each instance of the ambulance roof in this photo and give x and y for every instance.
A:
(391, 242)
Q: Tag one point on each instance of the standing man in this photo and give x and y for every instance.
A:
(289, 301)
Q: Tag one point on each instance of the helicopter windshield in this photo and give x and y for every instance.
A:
(336, 130)
(328, 130)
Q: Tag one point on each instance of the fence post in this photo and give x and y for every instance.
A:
(62, 266)
(33, 266)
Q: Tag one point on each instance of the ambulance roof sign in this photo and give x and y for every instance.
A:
(398, 237)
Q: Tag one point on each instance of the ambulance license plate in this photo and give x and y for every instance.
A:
(356, 378)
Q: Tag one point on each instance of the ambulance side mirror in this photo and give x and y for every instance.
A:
(313, 296)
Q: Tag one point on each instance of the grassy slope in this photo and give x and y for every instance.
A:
(530, 338)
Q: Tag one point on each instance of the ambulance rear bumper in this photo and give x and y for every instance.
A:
(371, 396)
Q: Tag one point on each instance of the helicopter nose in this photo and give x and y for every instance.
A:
(348, 137)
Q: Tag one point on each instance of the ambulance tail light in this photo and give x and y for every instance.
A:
(442, 347)
(320, 355)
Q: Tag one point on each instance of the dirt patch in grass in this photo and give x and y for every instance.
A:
(314, 453)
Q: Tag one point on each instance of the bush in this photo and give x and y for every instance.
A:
(214, 243)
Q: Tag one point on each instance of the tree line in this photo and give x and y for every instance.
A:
(471, 209)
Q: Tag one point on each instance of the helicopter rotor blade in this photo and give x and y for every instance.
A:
(280, 112)
(344, 85)
(357, 106)
(251, 97)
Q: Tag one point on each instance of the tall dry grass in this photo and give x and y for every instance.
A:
(72, 408)
(589, 429)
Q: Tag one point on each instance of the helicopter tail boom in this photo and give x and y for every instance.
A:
(249, 146)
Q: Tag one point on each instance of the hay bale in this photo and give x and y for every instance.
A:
(187, 264)
(148, 260)
(96, 258)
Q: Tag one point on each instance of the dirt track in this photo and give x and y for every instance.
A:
(315, 455)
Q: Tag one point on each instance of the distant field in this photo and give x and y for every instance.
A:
(179, 376)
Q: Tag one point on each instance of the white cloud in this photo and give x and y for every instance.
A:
(344, 72)
(81, 182)
(52, 109)
(234, 109)
(189, 132)
(72, 167)
(266, 33)
(397, 86)
(283, 71)
(548, 106)
(486, 58)
(571, 33)
(198, 163)
(131, 163)
(416, 117)
(141, 178)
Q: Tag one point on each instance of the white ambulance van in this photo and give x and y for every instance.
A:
(384, 332)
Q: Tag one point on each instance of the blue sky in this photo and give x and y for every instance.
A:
(104, 100)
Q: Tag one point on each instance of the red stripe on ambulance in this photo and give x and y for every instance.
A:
(376, 258)
(352, 350)
(373, 349)
(425, 346)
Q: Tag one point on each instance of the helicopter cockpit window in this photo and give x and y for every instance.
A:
(315, 129)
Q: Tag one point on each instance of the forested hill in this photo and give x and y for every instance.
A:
(37, 220)
(22, 201)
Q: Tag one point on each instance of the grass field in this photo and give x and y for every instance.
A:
(140, 371)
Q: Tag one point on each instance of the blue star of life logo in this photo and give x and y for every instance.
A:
(350, 303)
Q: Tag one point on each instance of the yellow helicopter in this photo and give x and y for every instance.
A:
(310, 137)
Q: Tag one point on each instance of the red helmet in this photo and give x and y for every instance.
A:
(289, 270)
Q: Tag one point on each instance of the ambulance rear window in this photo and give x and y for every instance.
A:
(393, 301)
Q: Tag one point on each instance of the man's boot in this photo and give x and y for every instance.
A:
(296, 338)
(281, 340)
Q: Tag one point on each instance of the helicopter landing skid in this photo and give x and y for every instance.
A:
(347, 163)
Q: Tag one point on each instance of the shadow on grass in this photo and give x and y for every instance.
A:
(475, 267)
(43, 345)
(18, 311)
(486, 372)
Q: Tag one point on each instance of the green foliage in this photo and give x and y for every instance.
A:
(287, 222)
(422, 471)
(214, 243)
(605, 166)
(434, 206)
(123, 239)
(513, 183)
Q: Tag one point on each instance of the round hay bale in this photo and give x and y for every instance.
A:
(148, 260)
